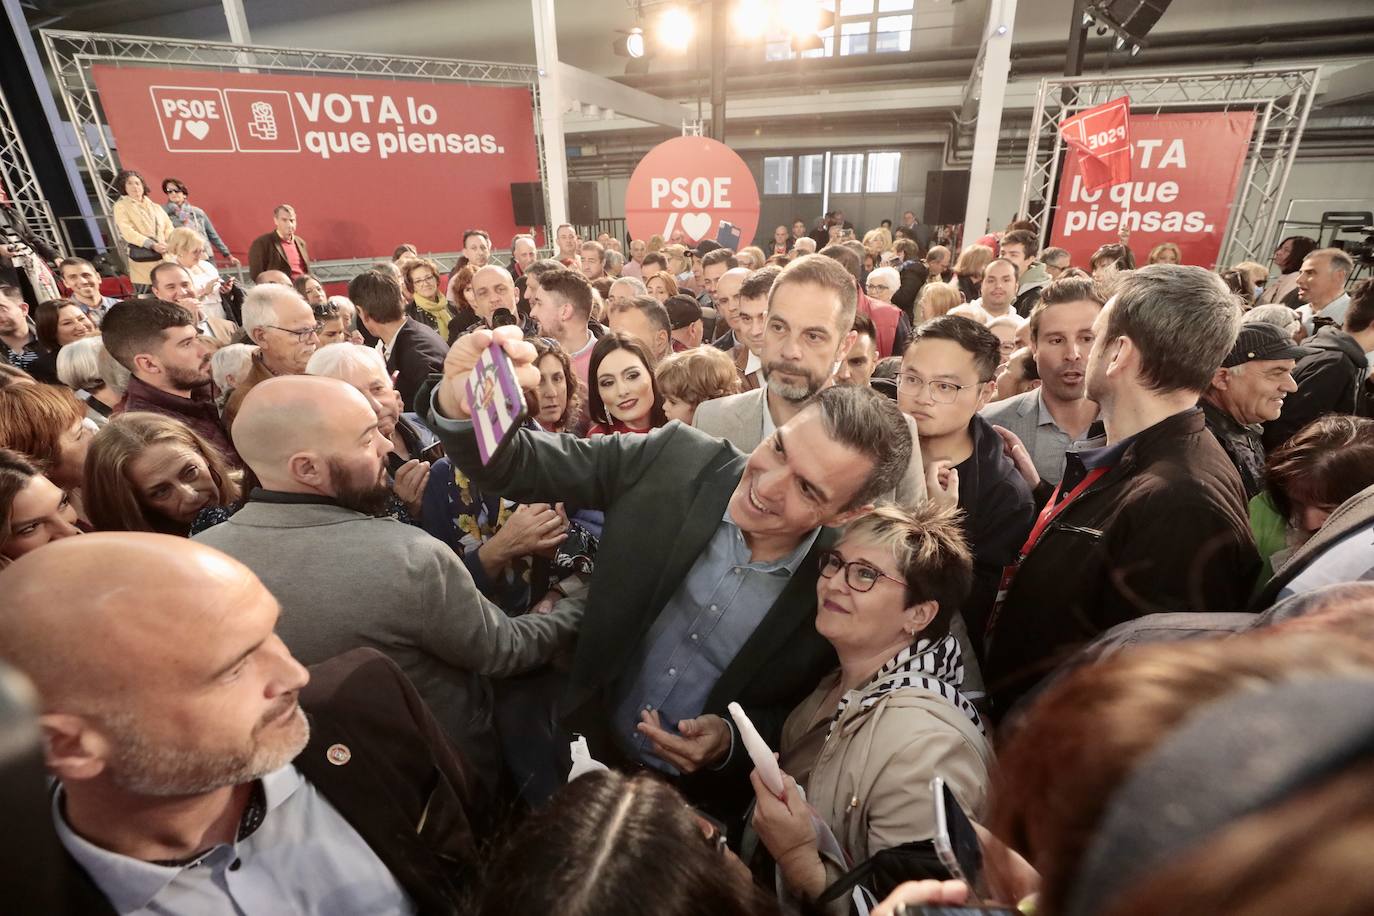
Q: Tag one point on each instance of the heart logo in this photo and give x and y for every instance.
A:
(696, 224)
(198, 129)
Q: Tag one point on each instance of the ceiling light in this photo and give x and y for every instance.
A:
(675, 29)
(631, 44)
(750, 19)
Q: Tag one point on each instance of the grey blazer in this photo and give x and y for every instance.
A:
(390, 587)
(1021, 415)
(738, 418)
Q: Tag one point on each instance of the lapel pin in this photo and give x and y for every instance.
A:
(338, 754)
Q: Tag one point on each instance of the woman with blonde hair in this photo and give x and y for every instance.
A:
(149, 472)
(936, 300)
(1165, 253)
(751, 256)
(876, 241)
(968, 270)
(191, 251)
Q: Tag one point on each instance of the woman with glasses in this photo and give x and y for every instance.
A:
(424, 285)
(882, 283)
(868, 740)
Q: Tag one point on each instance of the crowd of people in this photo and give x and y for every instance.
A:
(1084, 542)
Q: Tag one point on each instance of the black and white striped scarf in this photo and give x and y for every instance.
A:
(934, 665)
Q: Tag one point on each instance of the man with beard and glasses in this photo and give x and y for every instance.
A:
(170, 363)
(199, 768)
(315, 447)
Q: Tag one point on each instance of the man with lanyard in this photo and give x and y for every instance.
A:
(1150, 518)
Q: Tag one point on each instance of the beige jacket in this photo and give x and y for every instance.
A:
(137, 223)
(870, 781)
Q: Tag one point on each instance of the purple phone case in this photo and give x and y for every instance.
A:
(497, 403)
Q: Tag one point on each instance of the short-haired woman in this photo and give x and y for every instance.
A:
(869, 739)
(33, 511)
(424, 287)
(149, 472)
(79, 368)
(142, 224)
(192, 252)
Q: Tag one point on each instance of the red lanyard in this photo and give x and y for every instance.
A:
(1056, 506)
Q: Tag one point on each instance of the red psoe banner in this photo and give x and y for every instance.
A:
(1184, 173)
(367, 164)
(684, 188)
(1101, 139)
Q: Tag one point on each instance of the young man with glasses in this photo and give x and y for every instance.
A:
(947, 376)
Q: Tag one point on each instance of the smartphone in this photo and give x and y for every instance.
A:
(433, 453)
(497, 404)
(956, 842)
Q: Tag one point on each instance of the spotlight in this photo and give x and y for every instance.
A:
(631, 44)
(1087, 19)
(675, 29)
(750, 19)
(1120, 42)
(1135, 49)
(1102, 30)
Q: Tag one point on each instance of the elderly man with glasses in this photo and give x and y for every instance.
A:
(286, 332)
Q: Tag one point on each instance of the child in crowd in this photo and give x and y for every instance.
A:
(686, 379)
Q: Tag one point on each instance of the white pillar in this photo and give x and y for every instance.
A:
(992, 93)
(551, 105)
(238, 22)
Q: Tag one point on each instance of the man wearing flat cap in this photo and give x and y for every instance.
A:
(1247, 391)
(685, 322)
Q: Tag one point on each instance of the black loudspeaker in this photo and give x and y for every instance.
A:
(1133, 17)
(527, 202)
(946, 197)
(582, 203)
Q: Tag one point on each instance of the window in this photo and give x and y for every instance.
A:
(777, 174)
(810, 173)
(846, 173)
(861, 27)
(882, 172)
(894, 33)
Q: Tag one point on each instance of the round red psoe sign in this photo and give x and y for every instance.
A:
(687, 187)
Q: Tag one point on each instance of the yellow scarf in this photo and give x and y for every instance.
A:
(436, 309)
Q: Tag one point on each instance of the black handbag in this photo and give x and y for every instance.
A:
(143, 255)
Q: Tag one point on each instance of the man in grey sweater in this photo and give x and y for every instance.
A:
(346, 578)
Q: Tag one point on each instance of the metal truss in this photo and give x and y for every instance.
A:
(20, 184)
(1280, 99)
(72, 54)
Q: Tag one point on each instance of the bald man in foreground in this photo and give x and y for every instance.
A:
(346, 578)
(199, 768)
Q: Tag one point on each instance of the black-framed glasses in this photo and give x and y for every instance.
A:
(302, 334)
(858, 575)
(940, 392)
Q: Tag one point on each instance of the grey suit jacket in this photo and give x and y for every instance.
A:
(347, 580)
(1021, 415)
(738, 419)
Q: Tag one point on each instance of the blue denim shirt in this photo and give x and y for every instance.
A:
(700, 630)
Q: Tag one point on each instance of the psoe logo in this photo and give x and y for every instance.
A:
(193, 119)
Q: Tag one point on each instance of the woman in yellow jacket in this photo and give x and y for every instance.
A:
(142, 224)
(867, 742)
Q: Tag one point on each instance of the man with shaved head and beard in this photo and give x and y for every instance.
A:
(199, 768)
(346, 578)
